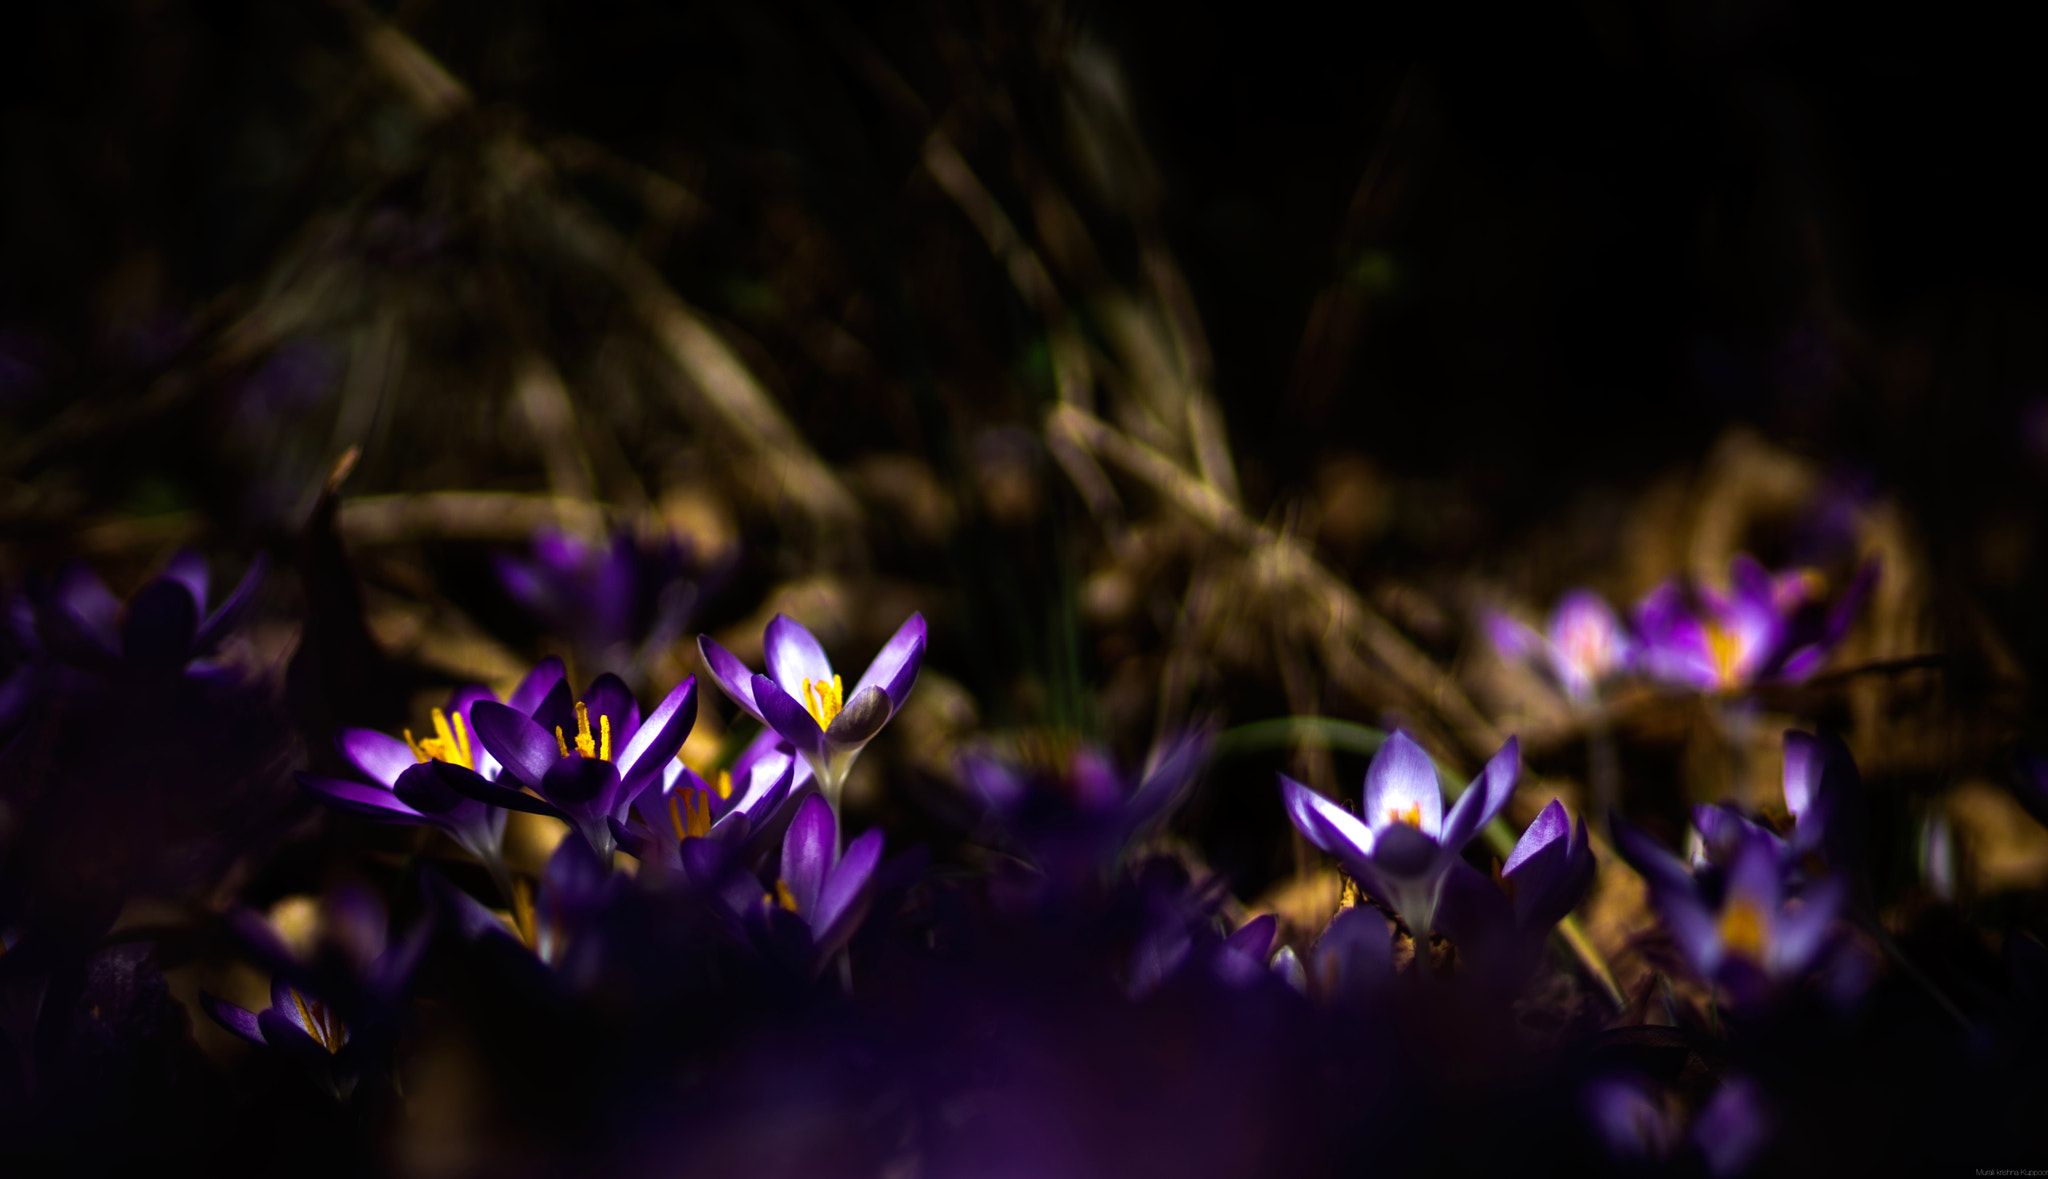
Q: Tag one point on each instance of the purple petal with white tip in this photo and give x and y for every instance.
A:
(1401, 782)
(731, 675)
(235, 1019)
(380, 756)
(794, 656)
(661, 736)
(1325, 824)
(371, 802)
(1485, 798)
(1551, 825)
(846, 887)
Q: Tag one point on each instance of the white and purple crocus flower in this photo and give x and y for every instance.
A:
(1405, 846)
(740, 807)
(808, 706)
(1584, 645)
(1763, 627)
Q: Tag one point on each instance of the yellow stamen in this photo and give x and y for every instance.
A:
(783, 897)
(587, 745)
(1348, 899)
(693, 819)
(822, 700)
(318, 1023)
(1412, 816)
(725, 783)
(1742, 929)
(447, 744)
(1725, 648)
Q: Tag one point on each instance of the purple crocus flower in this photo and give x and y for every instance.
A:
(1585, 644)
(164, 625)
(808, 706)
(588, 759)
(744, 801)
(1641, 1122)
(1756, 938)
(829, 893)
(1764, 627)
(1824, 799)
(1076, 813)
(619, 602)
(406, 787)
(1406, 844)
(329, 1010)
(1500, 929)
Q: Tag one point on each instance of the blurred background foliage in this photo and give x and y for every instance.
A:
(1183, 363)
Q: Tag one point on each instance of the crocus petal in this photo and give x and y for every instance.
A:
(1288, 969)
(1693, 928)
(371, 802)
(846, 885)
(1512, 638)
(1325, 824)
(865, 713)
(188, 569)
(1401, 783)
(496, 794)
(1733, 1128)
(1802, 771)
(1354, 955)
(162, 618)
(789, 718)
(1401, 853)
(228, 614)
(1663, 871)
(1551, 825)
(807, 850)
(378, 755)
(288, 1037)
(656, 742)
(794, 656)
(1486, 797)
(1800, 931)
(731, 675)
(895, 667)
(535, 687)
(1254, 938)
(425, 789)
(241, 1022)
(575, 781)
(608, 696)
(80, 619)
(1171, 776)
(523, 747)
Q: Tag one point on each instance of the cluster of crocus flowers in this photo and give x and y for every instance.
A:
(618, 600)
(1405, 845)
(806, 703)
(1761, 627)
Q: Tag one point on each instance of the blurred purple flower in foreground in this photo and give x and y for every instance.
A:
(1763, 627)
(1584, 645)
(808, 705)
(588, 760)
(619, 602)
(1641, 1123)
(1500, 929)
(1403, 848)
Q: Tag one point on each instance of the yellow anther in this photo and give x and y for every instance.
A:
(725, 784)
(598, 746)
(1742, 929)
(323, 1027)
(1348, 899)
(692, 819)
(1412, 816)
(784, 897)
(822, 700)
(1725, 648)
(449, 744)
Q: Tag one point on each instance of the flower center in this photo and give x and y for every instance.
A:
(599, 747)
(1412, 816)
(822, 700)
(783, 897)
(450, 742)
(320, 1023)
(1742, 929)
(1724, 647)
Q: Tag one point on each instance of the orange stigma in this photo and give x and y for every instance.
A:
(1412, 816)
